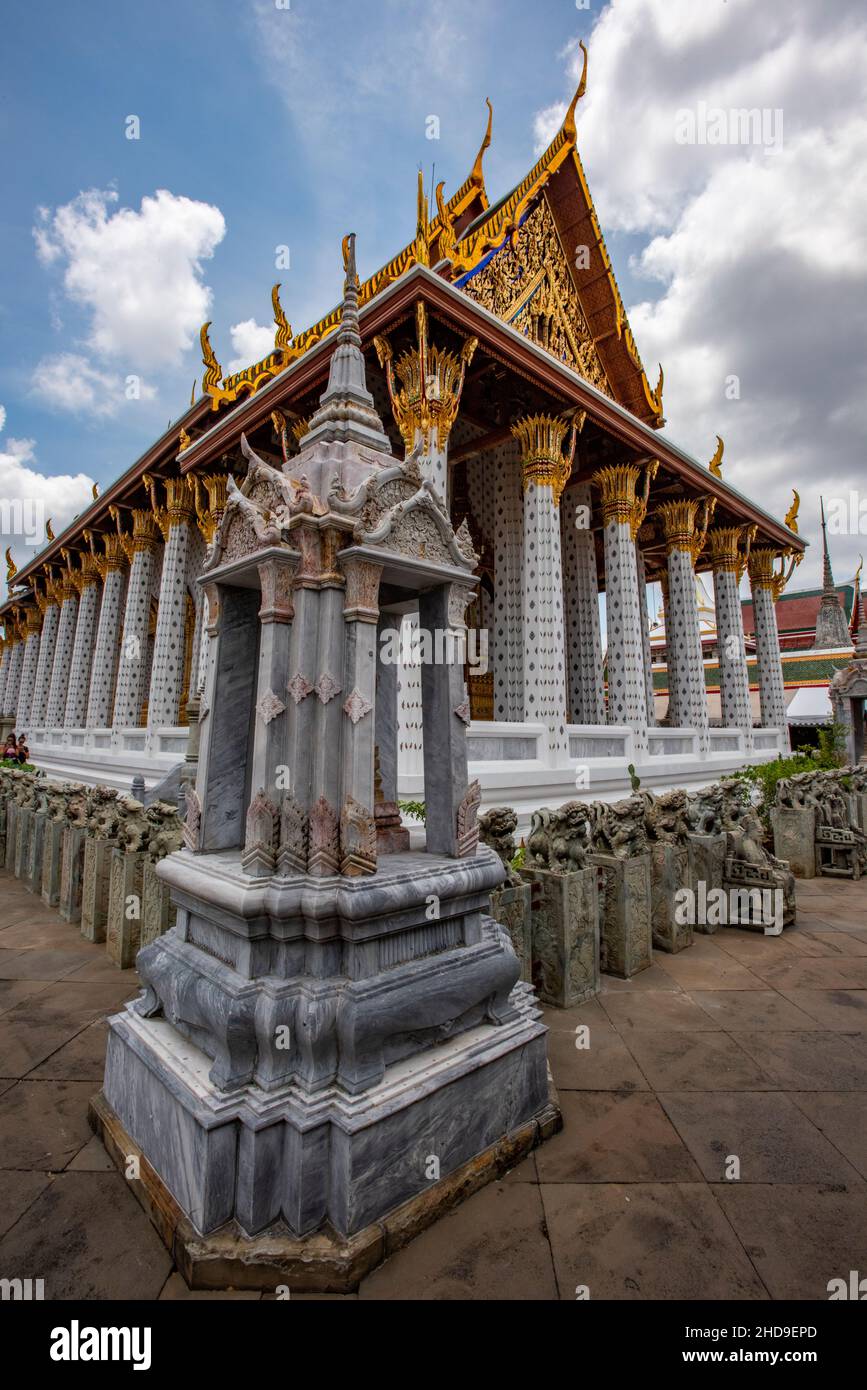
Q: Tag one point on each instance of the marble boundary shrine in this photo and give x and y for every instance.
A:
(496, 344)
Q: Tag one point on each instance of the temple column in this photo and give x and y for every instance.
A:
(545, 472)
(728, 563)
(32, 629)
(62, 666)
(360, 617)
(5, 647)
(623, 514)
(684, 540)
(268, 753)
(140, 548)
(645, 629)
(100, 702)
(50, 605)
(767, 584)
(508, 655)
(581, 601)
(87, 582)
(13, 677)
(167, 666)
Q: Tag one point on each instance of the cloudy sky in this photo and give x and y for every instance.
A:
(268, 124)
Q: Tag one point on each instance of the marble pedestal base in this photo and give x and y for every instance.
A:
(624, 914)
(795, 838)
(566, 943)
(157, 913)
(669, 874)
(51, 855)
(11, 835)
(706, 855)
(510, 906)
(71, 872)
(306, 1162)
(94, 893)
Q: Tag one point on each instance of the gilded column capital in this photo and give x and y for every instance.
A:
(32, 621)
(544, 463)
(763, 570)
(685, 524)
(178, 510)
(144, 533)
(724, 548)
(68, 586)
(621, 500)
(431, 385)
(209, 495)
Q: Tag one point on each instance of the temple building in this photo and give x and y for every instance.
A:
(498, 350)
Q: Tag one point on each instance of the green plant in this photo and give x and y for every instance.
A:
(415, 809)
(13, 762)
(635, 781)
(520, 856)
(763, 778)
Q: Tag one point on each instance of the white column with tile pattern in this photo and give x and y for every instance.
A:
(32, 628)
(767, 585)
(78, 694)
(623, 512)
(63, 652)
(132, 667)
(684, 632)
(581, 601)
(45, 665)
(728, 564)
(167, 666)
(111, 567)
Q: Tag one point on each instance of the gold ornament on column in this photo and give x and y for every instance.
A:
(209, 510)
(432, 383)
(715, 465)
(11, 567)
(179, 508)
(724, 548)
(791, 520)
(543, 461)
(685, 524)
(282, 326)
(621, 500)
(767, 568)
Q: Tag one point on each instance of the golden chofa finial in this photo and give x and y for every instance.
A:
(715, 465)
(791, 520)
(49, 534)
(477, 175)
(422, 250)
(94, 491)
(184, 441)
(213, 371)
(11, 567)
(569, 128)
(283, 334)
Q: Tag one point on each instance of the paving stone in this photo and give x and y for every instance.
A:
(839, 1115)
(18, 1191)
(798, 1237)
(13, 991)
(40, 965)
(87, 1236)
(91, 1159)
(43, 1123)
(746, 1010)
(646, 981)
(773, 1139)
(843, 1010)
(491, 1247)
(567, 1020)
(600, 1142)
(718, 972)
(657, 1010)
(80, 1059)
(27, 1043)
(680, 1061)
(645, 1241)
(807, 1061)
(816, 972)
(605, 1065)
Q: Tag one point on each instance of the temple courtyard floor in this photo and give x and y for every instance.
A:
(744, 1052)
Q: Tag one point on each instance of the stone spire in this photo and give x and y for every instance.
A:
(831, 627)
(861, 636)
(346, 411)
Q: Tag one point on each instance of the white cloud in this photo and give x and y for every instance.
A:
(761, 257)
(69, 382)
(138, 274)
(28, 498)
(251, 342)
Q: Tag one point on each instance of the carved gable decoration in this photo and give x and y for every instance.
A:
(528, 284)
(400, 510)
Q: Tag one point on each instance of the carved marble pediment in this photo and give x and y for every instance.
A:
(257, 511)
(400, 510)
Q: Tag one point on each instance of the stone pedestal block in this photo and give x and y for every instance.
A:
(71, 872)
(624, 914)
(94, 895)
(510, 906)
(669, 874)
(707, 854)
(565, 935)
(11, 827)
(158, 914)
(859, 801)
(23, 833)
(33, 871)
(3, 805)
(123, 928)
(795, 838)
(51, 856)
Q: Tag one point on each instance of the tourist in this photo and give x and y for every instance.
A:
(22, 752)
(10, 748)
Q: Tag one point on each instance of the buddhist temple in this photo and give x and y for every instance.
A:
(497, 347)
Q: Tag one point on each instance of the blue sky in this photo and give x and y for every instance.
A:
(264, 126)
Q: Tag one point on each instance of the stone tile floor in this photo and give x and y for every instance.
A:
(744, 1045)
